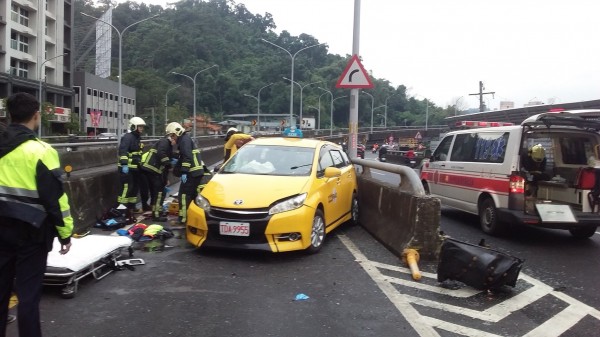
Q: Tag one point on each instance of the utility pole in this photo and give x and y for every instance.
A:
(480, 94)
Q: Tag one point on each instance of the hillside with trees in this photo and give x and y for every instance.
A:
(192, 35)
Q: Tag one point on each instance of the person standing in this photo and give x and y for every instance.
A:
(130, 156)
(192, 169)
(33, 210)
(234, 139)
(155, 166)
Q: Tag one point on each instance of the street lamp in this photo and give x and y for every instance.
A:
(456, 105)
(120, 33)
(166, 103)
(372, 101)
(301, 88)
(40, 91)
(292, 74)
(257, 98)
(386, 99)
(319, 128)
(331, 108)
(384, 116)
(194, 81)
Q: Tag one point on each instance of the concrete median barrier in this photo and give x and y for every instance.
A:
(401, 216)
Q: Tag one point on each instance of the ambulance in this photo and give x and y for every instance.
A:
(541, 173)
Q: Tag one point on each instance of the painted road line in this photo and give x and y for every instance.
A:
(552, 327)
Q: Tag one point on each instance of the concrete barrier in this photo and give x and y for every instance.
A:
(399, 216)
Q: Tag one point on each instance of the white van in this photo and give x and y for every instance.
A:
(485, 171)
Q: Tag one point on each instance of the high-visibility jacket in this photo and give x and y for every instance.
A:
(230, 144)
(158, 157)
(130, 150)
(31, 189)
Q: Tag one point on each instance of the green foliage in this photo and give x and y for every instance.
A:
(191, 35)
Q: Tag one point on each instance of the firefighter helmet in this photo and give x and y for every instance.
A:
(134, 122)
(175, 128)
(537, 153)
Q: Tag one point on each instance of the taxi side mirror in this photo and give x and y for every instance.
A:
(332, 172)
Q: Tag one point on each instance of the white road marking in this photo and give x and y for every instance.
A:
(425, 326)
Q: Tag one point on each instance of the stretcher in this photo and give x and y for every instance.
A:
(96, 255)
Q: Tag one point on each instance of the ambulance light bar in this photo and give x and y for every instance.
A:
(478, 124)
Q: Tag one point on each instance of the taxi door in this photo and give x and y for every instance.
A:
(331, 189)
(347, 180)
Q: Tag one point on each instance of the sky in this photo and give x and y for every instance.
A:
(522, 50)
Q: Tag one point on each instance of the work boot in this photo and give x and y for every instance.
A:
(146, 208)
(11, 318)
(138, 211)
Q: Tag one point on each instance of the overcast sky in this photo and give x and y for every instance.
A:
(523, 50)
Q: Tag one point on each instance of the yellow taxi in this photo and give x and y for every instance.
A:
(276, 194)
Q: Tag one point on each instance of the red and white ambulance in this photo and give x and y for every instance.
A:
(539, 173)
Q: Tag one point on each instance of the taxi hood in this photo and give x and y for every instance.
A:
(253, 191)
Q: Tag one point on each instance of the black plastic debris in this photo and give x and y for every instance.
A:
(477, 266)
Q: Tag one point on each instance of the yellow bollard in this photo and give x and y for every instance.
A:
(411, 257)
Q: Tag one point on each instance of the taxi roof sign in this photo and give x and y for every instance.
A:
(354, 76)
(292, 132)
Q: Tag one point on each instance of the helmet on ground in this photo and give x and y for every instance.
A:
(231, 131)
(175, 128)
(134, 122)
(537, 153)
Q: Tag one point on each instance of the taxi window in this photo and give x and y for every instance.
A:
(325, 160)
(441, 152)
(338, 159)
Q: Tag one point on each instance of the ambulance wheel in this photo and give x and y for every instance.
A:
(317, 233)
(583, 232)
(488, 217)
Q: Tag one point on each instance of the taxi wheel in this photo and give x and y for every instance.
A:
(488, 217)
(317, 233)
(354, 211)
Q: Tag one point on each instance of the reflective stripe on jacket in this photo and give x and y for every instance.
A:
(158, 157)
(130, 150)
(31, 189)
(189, 156)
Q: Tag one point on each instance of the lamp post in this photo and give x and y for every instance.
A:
(167, 103)
(301, 89)
(120, 33)
(292, 74)
(40, 90)
(456, 105)
(385, 115)
(331, 113)
(193, 79)
(257, 98)
(319, 128)
(386, 99)
(372, 101)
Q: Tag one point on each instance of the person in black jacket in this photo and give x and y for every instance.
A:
(34, 209)
(130, 157)
(192, 170)
(155, 166)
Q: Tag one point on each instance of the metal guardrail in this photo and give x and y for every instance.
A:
(409, 179)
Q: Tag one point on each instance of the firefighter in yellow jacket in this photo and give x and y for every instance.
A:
(33, 210)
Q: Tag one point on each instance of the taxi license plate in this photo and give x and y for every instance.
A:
(234, 228)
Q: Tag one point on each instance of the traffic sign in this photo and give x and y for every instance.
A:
(354, 76)
(418, 135)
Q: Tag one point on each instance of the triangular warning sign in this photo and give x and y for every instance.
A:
(354, 76)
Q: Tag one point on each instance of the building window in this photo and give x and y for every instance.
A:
(19, 68)
(95, 93)
(20, 15)
(19, 42)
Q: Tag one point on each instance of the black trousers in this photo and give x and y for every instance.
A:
(156, 185)
(188, 191)
(22, 263)
(130, 184)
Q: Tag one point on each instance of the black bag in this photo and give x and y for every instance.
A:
(477, 266)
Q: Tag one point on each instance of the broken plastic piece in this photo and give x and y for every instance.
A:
(301, 297)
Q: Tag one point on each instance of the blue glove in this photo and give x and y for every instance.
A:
(174, 161)
(184, 178)
(125, 169)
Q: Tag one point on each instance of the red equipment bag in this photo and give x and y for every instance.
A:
(586, 178)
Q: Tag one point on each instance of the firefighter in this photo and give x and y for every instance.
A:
(190, 168)
(130, 157)
(234, 139)
(33, 210)
(155, 166)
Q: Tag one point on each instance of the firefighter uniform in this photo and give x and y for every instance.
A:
(192, 166)
(130, 155)
(33, 210)
(155, 165)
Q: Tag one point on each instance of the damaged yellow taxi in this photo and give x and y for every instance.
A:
(276, 194)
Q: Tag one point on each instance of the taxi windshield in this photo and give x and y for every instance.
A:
(271, 160)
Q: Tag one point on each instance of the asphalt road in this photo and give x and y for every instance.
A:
(355, 287)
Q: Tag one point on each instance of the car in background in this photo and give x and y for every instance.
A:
(107, 135)
(276, 194)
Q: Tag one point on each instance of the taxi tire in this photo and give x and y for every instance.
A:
(317, 228)
(354, 210)
(488, 218)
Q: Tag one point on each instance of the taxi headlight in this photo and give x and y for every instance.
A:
(203, 203)
(288, 204)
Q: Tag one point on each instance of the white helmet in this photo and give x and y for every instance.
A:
(175, 128)
(231, 131)
(134, 122)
